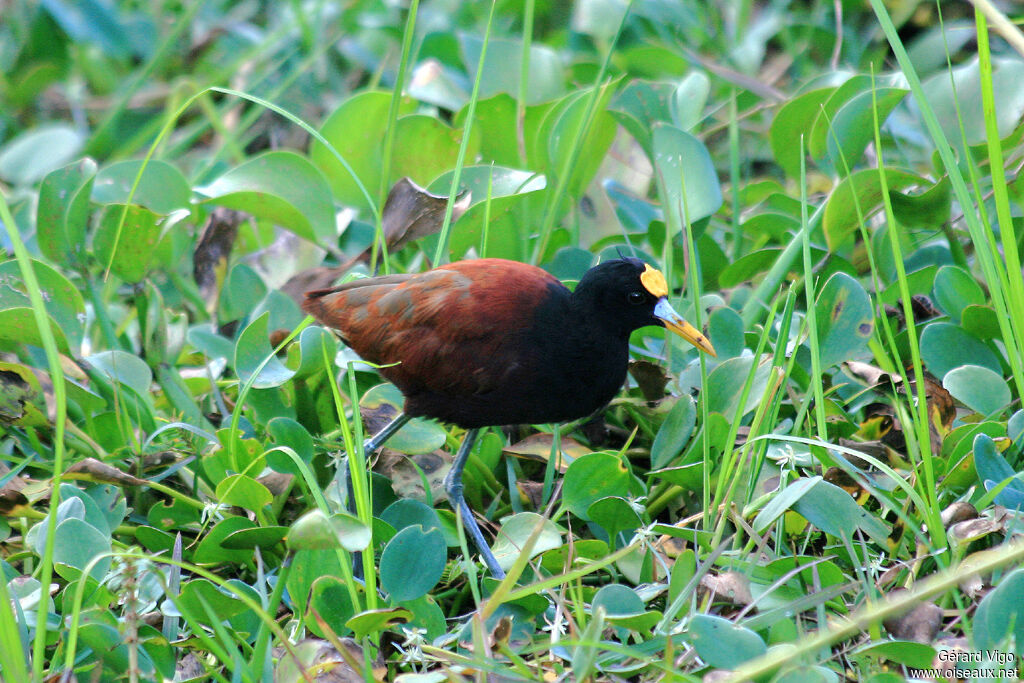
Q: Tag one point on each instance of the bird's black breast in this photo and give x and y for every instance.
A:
(557, 368)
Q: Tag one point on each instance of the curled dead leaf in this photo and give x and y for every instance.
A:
(91, 469)
(734, 587)
(921, 624)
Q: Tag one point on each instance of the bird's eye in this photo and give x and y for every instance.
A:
(636, 298)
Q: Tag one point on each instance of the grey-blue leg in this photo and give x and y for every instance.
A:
(453, 486)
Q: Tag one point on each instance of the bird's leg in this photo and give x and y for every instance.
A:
(453, 486)
(378, 439)
(369, 446)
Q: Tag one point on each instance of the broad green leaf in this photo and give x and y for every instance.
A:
(845, 320)
(687, 179)
(562, 131)
(162, 188)
(945, 346)
(545, 72)
(993, 470)
(956, 99)
(722, 644)
(853, 124)
(316, 531)
(63, 302)
(415, 437)
(125, 368)
(725, 327)
(243, 491)
(412, 562)
(618, 600)
(332, 602)
(281, 187)
(223, 604)
(794, 119)
(356, 130)
(999, 618)
(252, 349)
(614, 514)
(285, 431)
(28, 157)
(674, 432)
(639, 105)
(955, 290)
(594, 476)
(406, 512)
(376, 620)
(686, 105)
(835, 512)
(427, 147)
(978, 388)
(63, 212)
(725, 386)
(514, 533)
(861, 190)
(307, 357)
(135, 246)
(211, 548)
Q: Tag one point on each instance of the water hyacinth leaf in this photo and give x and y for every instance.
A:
(993, 470)
(317, 531)
(63, 211)
(1000, 616)
(28, 157)
(794, 119)
(406, 512)
(125, 368)
(853, 125)
(566, 129)
(591, 477)
(614, 514)
(686, 106)
(687, 177)
(835, 512)
(162, 188)
(307, 357)
(956, 99)
(726, 382)
(253, 351)
(516, 530)
(243, 491)
(265, 537)
(618, 600)
(674, 432)
(287, 432)
(211, 549)
(429, 147)
(62, 300)
(76, 543)
(412, 562)
(331, 601)
(356, 130)
(845, 320)
(131, 247)
(725, 327)
(545, 72)
(860, 194)
(955, 290)
(376, 620)
(722, 644)
(978, 388)
(282, 187)
(945, 346)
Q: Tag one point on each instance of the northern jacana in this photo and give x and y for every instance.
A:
(491, 342)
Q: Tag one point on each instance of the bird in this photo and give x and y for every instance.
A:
(489, 342)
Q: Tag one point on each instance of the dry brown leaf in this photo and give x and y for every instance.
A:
(958, 512)
(213, 249)
(921, 624)
(734, 587)
(537, 447)
(91, 469)
(650, 377)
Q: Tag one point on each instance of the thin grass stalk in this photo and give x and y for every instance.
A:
(380, 245)
(441, 252)
(524, 78)
(1013, 281)
(562, 180)
(42, 320)
(921, 421)
(812, 311)
(990, 263)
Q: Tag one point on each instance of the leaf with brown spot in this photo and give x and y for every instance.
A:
(13, 502)
(99, 472)
(958, 511)
(20, 397)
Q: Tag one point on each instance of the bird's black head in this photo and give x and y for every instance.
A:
(626, 294)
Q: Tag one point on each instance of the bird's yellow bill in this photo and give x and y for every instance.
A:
(664, 312)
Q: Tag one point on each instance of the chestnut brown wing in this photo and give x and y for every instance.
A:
(454, 330)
